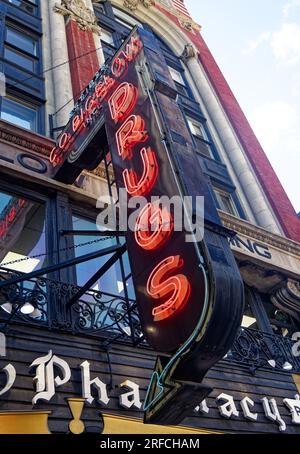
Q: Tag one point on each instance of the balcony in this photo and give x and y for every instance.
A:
(255, 349)
(45, 302)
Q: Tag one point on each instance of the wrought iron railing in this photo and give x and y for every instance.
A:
(99, 313)
(114, 317)
(255, 348)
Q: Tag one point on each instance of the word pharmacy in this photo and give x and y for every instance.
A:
(52, 372)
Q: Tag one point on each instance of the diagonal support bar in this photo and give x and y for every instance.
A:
(110, 262)
(59, 266)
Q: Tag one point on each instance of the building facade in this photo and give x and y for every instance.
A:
(58, 357)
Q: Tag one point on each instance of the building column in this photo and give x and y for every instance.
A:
(244, 172)
(96, 36)
(81, 25)
(62, 87)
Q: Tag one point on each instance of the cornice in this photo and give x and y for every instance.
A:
(80, 13)
(185, 22)
(27, 140)
(260, 234)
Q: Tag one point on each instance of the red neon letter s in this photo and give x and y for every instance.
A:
(122, 101)
(153, 227)
(177, 288)
(143, 186)
(130, 133)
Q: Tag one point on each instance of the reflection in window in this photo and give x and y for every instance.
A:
(225, 202)
(21, 40)
(19, 114)
(19, 59)
(22, 233)
(179, 81)
(112, 281)
(26, 5)
(125, 19)
(107, 37)
(200, 136)
(22, 249)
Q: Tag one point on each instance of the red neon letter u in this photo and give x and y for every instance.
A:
(143, 186)
(130, 133)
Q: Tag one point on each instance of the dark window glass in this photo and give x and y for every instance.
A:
(22, 232)
(19, 59)
(111, 282)
(225, 202)
(30, 6)
(200, 136)
(22, 249)
(21, 40)
(19, 114)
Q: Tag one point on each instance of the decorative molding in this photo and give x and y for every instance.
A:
(25, 142)
(185, 22)
(260, 234)
(287, 298)
(79, 12)
(188, 52)
(132, 5)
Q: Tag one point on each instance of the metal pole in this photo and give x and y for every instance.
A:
(59, 266)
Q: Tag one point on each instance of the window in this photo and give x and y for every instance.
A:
(21, 40)
(249, 320)
(176, 76)
(179, 81)
(29, 6)
(22, 233)
(20, 49)
(107, 43)
(19, 113)
(18, 59)
(107, 37)
(22, 250)
(225, 201)
(200, 137)
(125, 19)
(112, 281)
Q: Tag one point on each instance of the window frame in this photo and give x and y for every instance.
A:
(34, 3)
(222, 191)
(24, 101)
(34, 57)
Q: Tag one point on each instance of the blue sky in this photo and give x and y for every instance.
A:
(257, 46)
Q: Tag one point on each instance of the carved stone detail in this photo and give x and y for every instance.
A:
(78, 11)
(188, 52)
(287, 298)
(186, 23)
(258, 233)
(132, 5)
(27, 144)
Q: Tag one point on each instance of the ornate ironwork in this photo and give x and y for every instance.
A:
(255, 348)
(112, 317)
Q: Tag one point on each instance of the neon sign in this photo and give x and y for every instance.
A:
(189, 295)
(121, 102)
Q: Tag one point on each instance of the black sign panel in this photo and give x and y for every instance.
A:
(189, 294)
